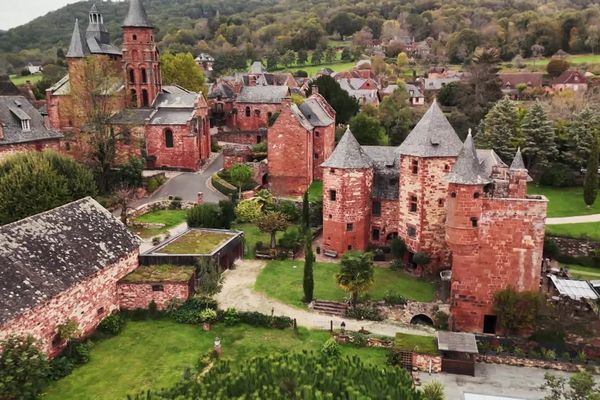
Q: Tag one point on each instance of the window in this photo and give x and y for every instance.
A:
(474, 222)
(332, 195)
(412, 204)
(332, 171)
(144, 76)
(375, 234)
(56, 340)
(133, 98)
(67, 146)
(257, 113)
(168, 138)
(131, 76)
(269, 115)
(317, 133)
(349, 227)
(349, 247)
(411, 231)
(316, 156)
(330, 216)
(393, 182)
(446, 167)
(145, 100)
(247, 111)
(100, 311)
(415, 166)
(453, 195)
(25, 125)
(440, 202)
(376, 209)
(158, 288)
(476, 195)
(134, 37)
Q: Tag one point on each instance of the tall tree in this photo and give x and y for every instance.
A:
(538, 133)
(345, 106)
(396, 115)
(308, 283)
(500, 129)
(181, 69)
(583, 131)
(240, 175)
(356, 273)
(368, 130)
(590, 183)
(305, 212)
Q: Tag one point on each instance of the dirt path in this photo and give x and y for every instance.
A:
(238, 292)
(579, 219)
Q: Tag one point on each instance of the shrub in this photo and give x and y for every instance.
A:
(516, 310)
(378, 255)
(289, 209)
(557, 66)
(113, 324)
(397, 247)
(292, 239)
(190, 311)
(358, 339)
(23, 369)
(205, 216)
(395, 357)
(248, 211)
(155, 240)
(421, 258)
(175, 204)
(551, 249)
(397, 265)
(223, 186)
(227, 213)
(433, 391)
(208, 315)
(330, 348)
(440, 320)
(231, 317)
(518, 352)
(394, 298)
(557, 175)
(60, 367)
(364, 312)
(154, 183)
(68, 330)
(266, 321)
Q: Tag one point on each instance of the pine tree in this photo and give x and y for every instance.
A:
(581, 134)
(540, 147)
(500, 129)
(590, 183)
(305, 213)
(308, 283)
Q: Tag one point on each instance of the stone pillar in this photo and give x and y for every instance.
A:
(200, 198)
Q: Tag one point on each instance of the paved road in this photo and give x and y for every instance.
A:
(187, 185)
(238, 292)
(573, 220)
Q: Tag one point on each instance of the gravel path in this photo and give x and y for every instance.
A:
(579, 219)
(238, 292)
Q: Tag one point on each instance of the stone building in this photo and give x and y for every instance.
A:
(61, 265)
(418, 192)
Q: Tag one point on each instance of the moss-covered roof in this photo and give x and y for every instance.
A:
(196, 242)
(160, 273)
(417, 344)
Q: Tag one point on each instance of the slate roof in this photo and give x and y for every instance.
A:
(131, 116)
(348, 154)
(262, 94)
(489, 159)
(43, 255)
(176, 100)
(174, 89)
(386, 172)
(78, 46)
(461, 342)
(7, 88)
(95, 41)
(170, 117)
(366, 95)
(438, 83)
(433, 136)
(12, 110)
(221, 89)
(517, 162)
(257, 67)
(467, 169)
(62, 87)
(301, 118)
(316, 113)
(570, 76)
(136, 17)
(534, 79)
(382, 156)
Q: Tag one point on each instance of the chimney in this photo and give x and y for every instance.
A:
(315, 89)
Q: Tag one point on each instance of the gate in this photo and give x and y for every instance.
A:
(405, 359)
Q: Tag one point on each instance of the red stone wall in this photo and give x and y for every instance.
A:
(139, 52)
(290, 155)
(352, 205)
(253, 122)
(324, 143)
(233, 155)
(387, 223)
(140, 295)
(241, 137)
(185, 153)
(86, 303)
(8, 150)
(429, 219)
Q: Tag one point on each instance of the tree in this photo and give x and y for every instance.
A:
(23, 369)
(344, 105)
(31, 183)
(316, 57)
(181, 69)
(450, 94)
(397, 248)
(240, 175)
(396, 116)
(590, 183)
(273, 59)
(305, 212)
(302, 57)
(516, 311)
(288, 58)
(582, 135)
(367, 130)
(248, 210)
(345, 23)
(557, 66)
(356, 273)
(206, 215)
(538, 134)
(330, 54)
(401, 61)
(581, 387)
(500, 129)
(209, 280)
(271, 223)
(308, 283)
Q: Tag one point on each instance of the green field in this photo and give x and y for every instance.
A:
(282, 280)
(587, 230)
(21, 80)
(154, 354)
(581, 272)
(565, 202)
(170, 218)
(313, 69)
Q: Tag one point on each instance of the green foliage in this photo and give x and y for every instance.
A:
(113, 324)
(344, 105)
(289, 209)
(367, 130)
(208, 315)
(155, 182)
(190, 312)
(227, 213)
(557, 66)
(394, 298)
(231, 317)
(538, 133)
(209, 280)
(331, 348)
(68, 330)
(397, 248)
(356, 274)
(421, 258)
(23, 369)
(265, 321)
(396, 115)
(440, 320)
(248, 211)
(206, 215)
(74, 355)
(590, 182)
(223, 186)
(581, 386)
(308, 282)
(305, 212)
(292, 239)
(181, 69)
(272, 222)
(551, 249)
(31, 183)
(500, 129)
(433, 391)
(516, 311)
(369, 313)
(240, 175)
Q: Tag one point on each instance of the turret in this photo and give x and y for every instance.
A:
(347, 185)
(96, 26)
(517, 177)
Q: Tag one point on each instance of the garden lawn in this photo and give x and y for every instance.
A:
(153, 354)
(282, 280)
(315, 191)
(587, 230)
(581, 272)
(313, 69)
(19, 80)
(196, 242)
(170, 218)
(565, 202)
(421, 344)
(252, 235)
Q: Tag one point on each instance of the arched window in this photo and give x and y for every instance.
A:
(145, 100)
(168, 138)
(131, 75)
(247, 111)
(257, 113)
(133, 98)
(144, 76)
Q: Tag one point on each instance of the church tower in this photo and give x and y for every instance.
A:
(140, 58)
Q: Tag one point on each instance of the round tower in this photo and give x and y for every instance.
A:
(517, 177)
(347, 187)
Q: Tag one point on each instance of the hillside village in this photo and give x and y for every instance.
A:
(381, 227)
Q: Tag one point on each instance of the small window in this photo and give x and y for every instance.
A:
(317, 133)
(415, 167)
(446, 167)
(131, 76)
(316, 156)
(247, 111)
(100, 311)
(376, 208)
(134, 37)
(67, 146)
(411, 231)
(257, 113)
(258, 139)
(476, 195)
(349, 227)
(330, 216)
(25, 125)
(393, 182)
(56, 340)
(158, 288)
(440, 202)
(453, 194)
(474, 222)
(144, 76)
(349, 247)
(375, 234)
(269, 115)
(332, 195)
(332, 171)
(413, 203)
(168, 138)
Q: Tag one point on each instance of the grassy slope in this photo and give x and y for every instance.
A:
(170, 218)
(313, 69)
(590, 230)
(21, 80)
(153, 354)
(565, 202)
(581, 272)
(282, 280)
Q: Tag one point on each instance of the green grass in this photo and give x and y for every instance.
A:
(581, 272)
(565, 202)
(196, 242)
(586, 230)
(21, 80)
(282, 280)
(313, 69)
(315, 191)
(170, 218)
(160, 273)
(252, 235)
(420, 344)
(154, 354)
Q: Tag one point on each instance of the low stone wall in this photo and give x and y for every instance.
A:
(233, 155)
(526, 362)
(575, 247)
(140, 295)
(422, 362)
(405, 313)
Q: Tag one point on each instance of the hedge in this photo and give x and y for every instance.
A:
(223, 186)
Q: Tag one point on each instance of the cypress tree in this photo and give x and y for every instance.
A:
(305, 213)
(590, 184)
(538, 132)
(308, 283)
(500, 129)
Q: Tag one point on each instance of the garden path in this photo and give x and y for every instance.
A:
(238, 292)
(579, 219)
(146, 243)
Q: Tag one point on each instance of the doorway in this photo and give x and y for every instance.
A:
(489, 324)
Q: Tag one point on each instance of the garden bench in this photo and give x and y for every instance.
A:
(330, 253)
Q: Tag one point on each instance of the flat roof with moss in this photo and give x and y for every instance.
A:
(160, 273)
(417, 344)
(197, 241)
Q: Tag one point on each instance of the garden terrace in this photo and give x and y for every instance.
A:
(160, 273)
(157, 222)
(417, 344)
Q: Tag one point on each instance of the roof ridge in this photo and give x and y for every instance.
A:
(348, 154)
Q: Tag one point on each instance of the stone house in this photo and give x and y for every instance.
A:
(570, 80)
(420, 192)
(61, 265)
(255, 105)
(415, 97)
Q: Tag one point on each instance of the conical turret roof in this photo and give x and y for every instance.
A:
(136, 17)
(517, 162)
(78, 47)
(433, 136)
(348, 154)
(467, 169)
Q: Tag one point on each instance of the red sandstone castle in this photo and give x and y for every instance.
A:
(171, 121)
(464, 208)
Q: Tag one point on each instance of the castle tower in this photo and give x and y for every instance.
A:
(140, 58)
(347, 185)
(426, 156)
(517, 177)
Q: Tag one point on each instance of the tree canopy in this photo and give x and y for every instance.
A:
(356, 273)
(344, 105)
(181, 69)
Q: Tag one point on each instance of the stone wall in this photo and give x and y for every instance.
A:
(576, 247)
(185, 153)
(140, 295)
(324, 144)
(423, 362)
(526, 362)
(8, 150)
(387, 223)
(241, 137)
(259, 115)
(86, 303)
(405, 313)
(233, 155)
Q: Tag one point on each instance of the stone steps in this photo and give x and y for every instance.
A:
(330, 307)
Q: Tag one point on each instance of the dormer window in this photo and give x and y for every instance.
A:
(25, 125)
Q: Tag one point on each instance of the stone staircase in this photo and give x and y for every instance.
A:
(330, 307)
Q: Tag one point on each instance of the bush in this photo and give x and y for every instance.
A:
(205, 216)
(60, 367)
(378, 255)
(23, 369)
(551, 249)
(516, 310)
(421, 258)
(248, 210)
(224, 187)
(557, 175)
(113, 324)
(440, 320)
(154, 183)
(364, 312)
(231, 317)
(557, 66)
(397, 265)
(227, 213)
(358, 339)
(175, 204)
(208, 315)
(292, 239)
(266, 321)
(289, 209)
(397, 247)
(190, 312)
(330, 348)
(433, 391)
(394, 298)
